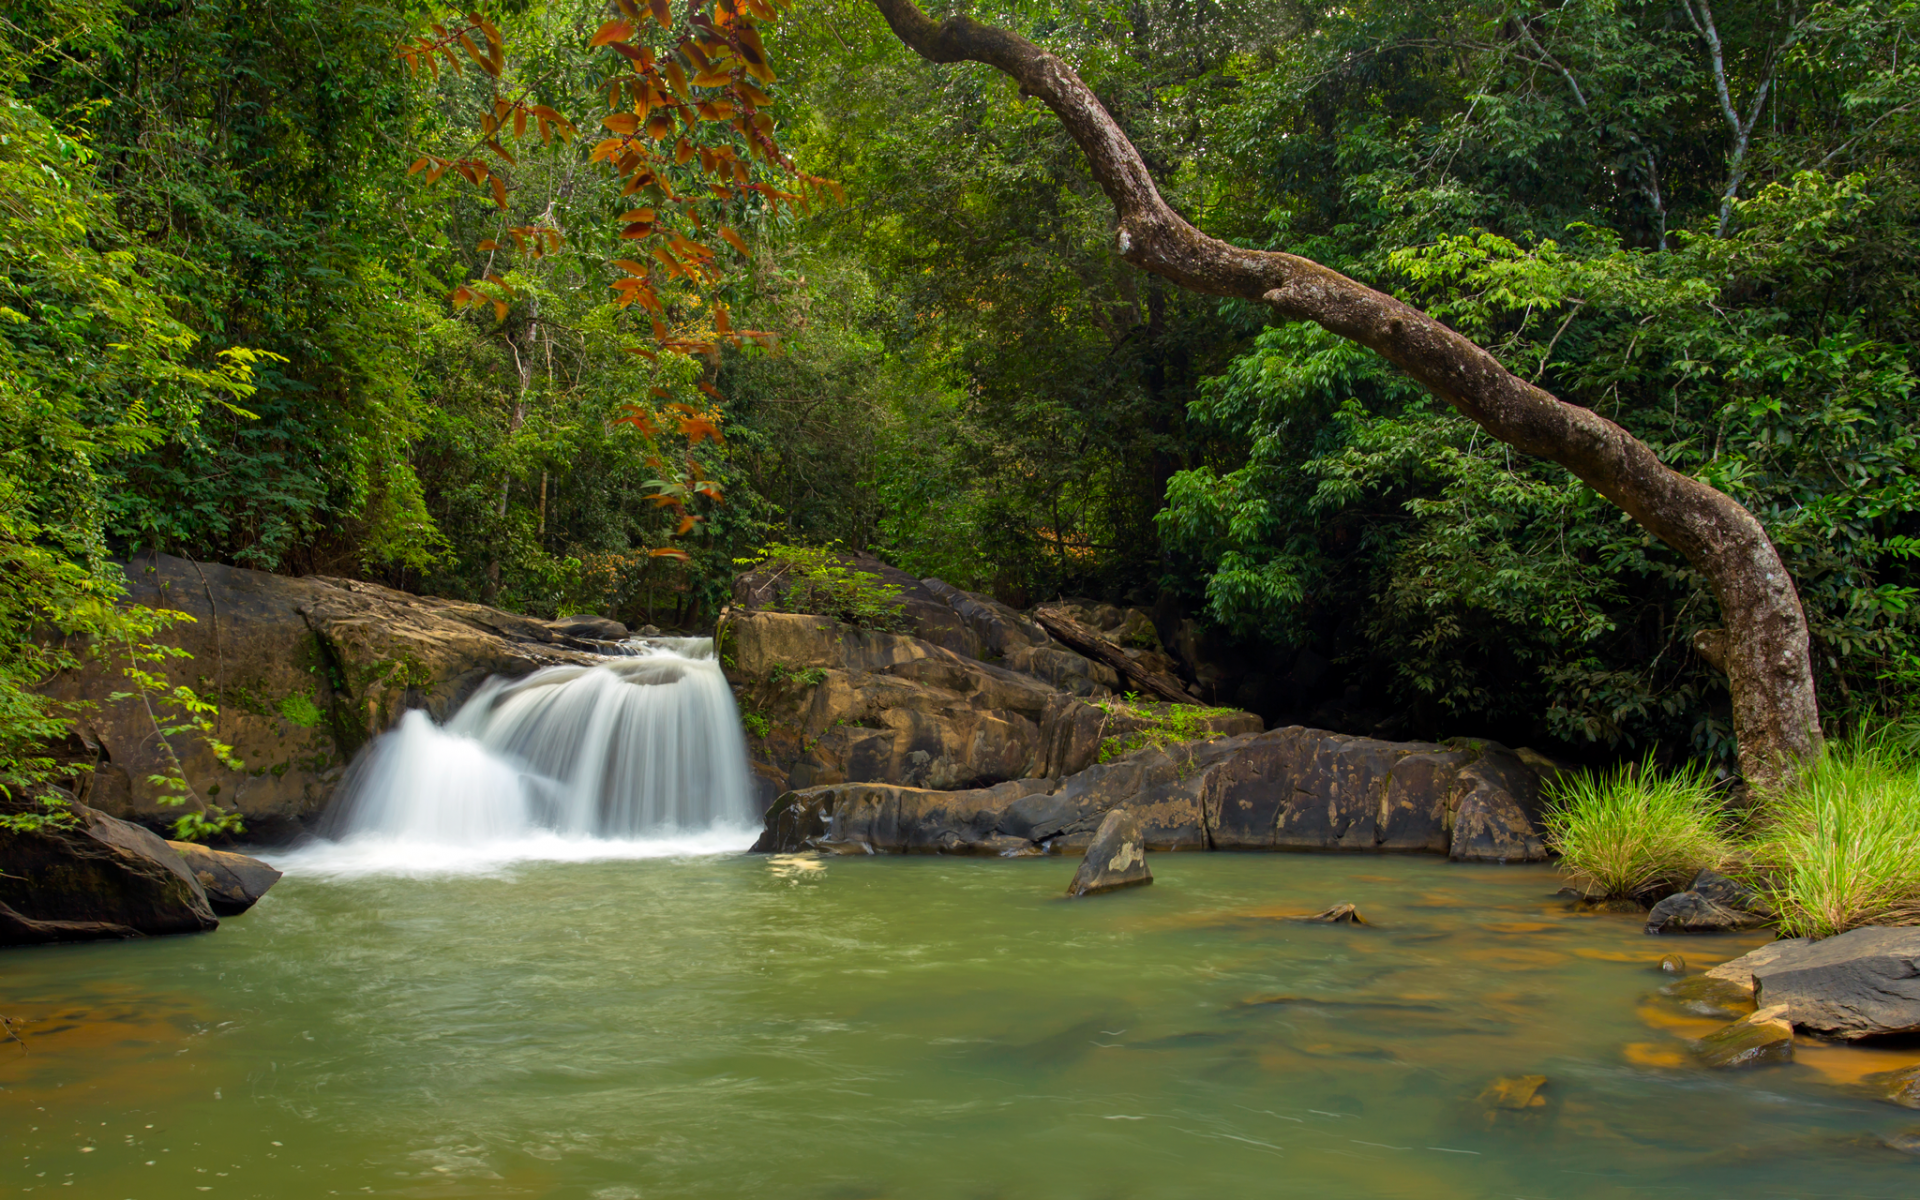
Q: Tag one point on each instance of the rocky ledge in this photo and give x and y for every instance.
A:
(1286, 789)
(305, 671)
(1860, 984)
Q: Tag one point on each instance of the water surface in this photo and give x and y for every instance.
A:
(733, 1026)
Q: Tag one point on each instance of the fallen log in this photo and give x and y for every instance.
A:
(1090, 643)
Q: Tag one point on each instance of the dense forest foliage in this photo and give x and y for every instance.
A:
(226, 332)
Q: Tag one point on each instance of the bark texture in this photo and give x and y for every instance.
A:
(1768, 663)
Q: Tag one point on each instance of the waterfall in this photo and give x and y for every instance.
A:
(635, 756)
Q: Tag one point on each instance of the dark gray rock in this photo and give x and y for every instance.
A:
(99, 878)
(1705, 996)
(1116, 859)
(233, 882)
(1287, 789)
(1692, 912)
(1728, 893)
(1863, 983)
(1758, 1039)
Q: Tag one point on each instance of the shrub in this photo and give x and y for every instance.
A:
(1843, 848)
(1633, 831)
(819, 580)
(1145, 723)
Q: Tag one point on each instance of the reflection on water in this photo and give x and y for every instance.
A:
(727, 1026)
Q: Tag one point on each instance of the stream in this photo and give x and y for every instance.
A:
(626, 1020)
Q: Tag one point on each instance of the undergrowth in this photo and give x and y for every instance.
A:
(818, 581)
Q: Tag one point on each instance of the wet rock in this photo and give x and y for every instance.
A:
(99, 878)
(1617, 905)
(1673, 964)
(1863, 983)
(1514, 1093)
(1692, 912)
(1116, 859)
(1906, 1141)
(1900, 1087)
(1762, 1037)
(233, 882)
(589, 628)
(1339, 914)
(1705, 996)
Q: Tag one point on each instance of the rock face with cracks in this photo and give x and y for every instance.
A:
(1286, 789)
(1116, 859)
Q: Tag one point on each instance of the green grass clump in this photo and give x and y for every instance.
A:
(1842, 849)
(1633, 831)
(1164, 724)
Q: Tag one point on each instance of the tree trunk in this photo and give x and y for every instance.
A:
(1768, 664)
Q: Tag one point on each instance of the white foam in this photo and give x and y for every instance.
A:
(373, 854)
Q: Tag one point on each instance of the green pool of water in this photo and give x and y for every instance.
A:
(736, 1026)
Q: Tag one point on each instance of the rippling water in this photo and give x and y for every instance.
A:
(733, 1026)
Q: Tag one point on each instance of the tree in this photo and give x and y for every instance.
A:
(1766, 653)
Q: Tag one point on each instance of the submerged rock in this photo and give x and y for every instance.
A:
(1900, 1087)
(1762, 1037)
(1116, 859)
(1706, 996)
(1673, 964)
(1517, 1092)
(233, 882)
(1863, 983)
(1694, 912)
(1339, 914)
(97, 878)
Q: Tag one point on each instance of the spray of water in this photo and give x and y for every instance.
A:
(638, 756)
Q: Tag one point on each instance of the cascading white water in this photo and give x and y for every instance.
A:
(633, 757)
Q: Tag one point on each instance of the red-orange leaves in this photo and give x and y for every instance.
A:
(612, 31)
(661, 13)
(735, 240)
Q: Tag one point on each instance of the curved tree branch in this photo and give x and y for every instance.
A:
(1770, 671)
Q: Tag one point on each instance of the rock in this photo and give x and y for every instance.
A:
(1143, 673)
(1728, 893)
(233, 882)
(1907, 1141)
(1739, 971)
(589, 628)
(1765, 1036)
(1285, 789)
(1339, 914)
(1518, 1092)
(1900, 1087)
(1863, 983)
(98, 878)
(1617, 905)
(849, 705)
(1673, 964)
(1691, 912)
(305, 671)
(1116, 859)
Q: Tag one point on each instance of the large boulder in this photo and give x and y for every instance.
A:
(95, 877)
(305, 672)
(841, 704)
(1863, 983)
(234, 882)
(1287, 789)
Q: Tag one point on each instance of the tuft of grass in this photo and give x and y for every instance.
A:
(1842, 849)
(1632, 831)
(1155, 723)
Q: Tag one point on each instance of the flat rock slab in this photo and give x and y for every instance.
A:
(1863, 983)
(1116, 859)
(1763, 1037)
(233, 882)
